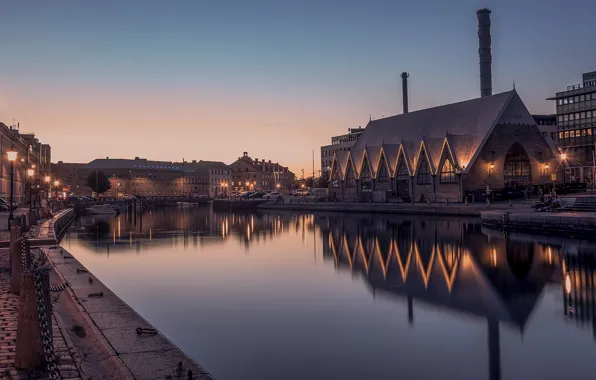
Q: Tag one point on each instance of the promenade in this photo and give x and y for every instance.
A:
(95, 333)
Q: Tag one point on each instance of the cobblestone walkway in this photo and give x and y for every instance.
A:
(8, 334)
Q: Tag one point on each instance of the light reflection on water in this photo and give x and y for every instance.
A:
(294, 296)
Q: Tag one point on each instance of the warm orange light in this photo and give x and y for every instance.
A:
(568, 283)
(563, 156)
(494, 257)
(277, 185)
(546, 166)
(56, 183)
(47, 178)
(303, 186)
(12, 155)
(30, 172)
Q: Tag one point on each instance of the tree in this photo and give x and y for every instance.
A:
(98, 182)
(323, 181)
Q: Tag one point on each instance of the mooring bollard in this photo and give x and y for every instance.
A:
(29, 352)
(13, 238)
(17, 267)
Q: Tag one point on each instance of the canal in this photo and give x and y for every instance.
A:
(269, 296)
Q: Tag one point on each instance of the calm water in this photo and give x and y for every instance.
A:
(331, 296)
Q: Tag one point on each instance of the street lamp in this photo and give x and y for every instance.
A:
(30, 173)
(12, 157)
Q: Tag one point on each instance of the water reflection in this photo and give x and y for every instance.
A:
(443, 264)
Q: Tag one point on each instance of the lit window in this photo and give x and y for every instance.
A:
(590, 132)
(561, 135)
(572, 133)
(566, 134)
(584, 132)
(448, 172)
(565, 101)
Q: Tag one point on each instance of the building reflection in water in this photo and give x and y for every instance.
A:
(451, 264)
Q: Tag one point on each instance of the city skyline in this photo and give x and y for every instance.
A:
(116, 80)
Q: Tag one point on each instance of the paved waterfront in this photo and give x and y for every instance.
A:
(568, 223)
(8, 334)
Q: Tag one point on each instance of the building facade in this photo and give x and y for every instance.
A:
(137, 176)
(576, 127)
(218, 176)
(547, 124)
(341, 143)
(248, 174)
(31, 154)
(447, 152)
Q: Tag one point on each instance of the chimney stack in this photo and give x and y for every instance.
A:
(484, 51)
(404, 88)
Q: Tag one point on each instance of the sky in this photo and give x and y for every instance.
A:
(173, 80)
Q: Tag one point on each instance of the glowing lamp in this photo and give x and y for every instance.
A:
(30, 172)
(563, 156)
(56, 183)
(546, 166)
(568, 283)
(12, 155)
(33, 166)
(47, 179)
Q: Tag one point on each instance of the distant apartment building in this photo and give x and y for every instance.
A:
(576, 127)
(338, 144)
(249, 174)
(31, 154)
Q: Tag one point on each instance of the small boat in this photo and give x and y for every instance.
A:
(102, 209)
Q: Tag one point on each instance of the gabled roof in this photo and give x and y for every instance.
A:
(341, 160)
(357, 155)
(461, 147)
(433, 149)
(391, 152)
(411, 150)
(475, 119)
(373, 154)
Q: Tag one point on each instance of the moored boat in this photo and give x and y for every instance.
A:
(102, 209)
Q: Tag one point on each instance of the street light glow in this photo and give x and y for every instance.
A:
(47, 178)
(12, 155)
(563, 156)
(30, 172)
(56, 183)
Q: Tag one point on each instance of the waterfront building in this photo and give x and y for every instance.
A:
(576, 126)
(447, 152)
(249, 174)
(338, 144)
(218, 174)
(137, 176)
(32, 154)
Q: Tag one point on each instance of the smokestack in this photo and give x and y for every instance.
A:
(404, 88)
(484, 42)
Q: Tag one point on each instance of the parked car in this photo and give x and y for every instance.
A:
(274, 195)
(257, 195)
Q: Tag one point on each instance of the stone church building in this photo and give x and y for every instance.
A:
(447, 152)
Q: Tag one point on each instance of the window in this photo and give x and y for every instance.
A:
(448, 172)
(565, 118)
(559, 102)
(572, 133)
(590, 132)
(582, 98)
(560, 118)
(382, 172)
(544, 134)
(576, 99)
(553, 135)
(576, 116)
(561, 135)
(566, 134)
(584, 132)
(566, 100)
(582, 115)
(423, 172)
(402, 172)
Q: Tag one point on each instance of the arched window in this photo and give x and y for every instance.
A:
(402, 172)
(350, 179)
(517, 168)
(447, 172)
(366, 176)
(423, 171)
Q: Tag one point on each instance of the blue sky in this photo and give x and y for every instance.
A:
(275, 78)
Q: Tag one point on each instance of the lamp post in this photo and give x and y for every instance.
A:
(56, 183)
(30, 173)
(12, 157)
